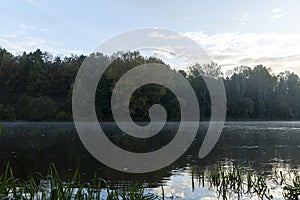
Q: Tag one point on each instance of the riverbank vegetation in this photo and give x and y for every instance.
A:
(36, 86)
(227, 181)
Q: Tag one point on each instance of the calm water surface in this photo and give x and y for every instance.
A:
(262, 146)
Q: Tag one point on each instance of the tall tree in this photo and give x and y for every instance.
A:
(261, 88)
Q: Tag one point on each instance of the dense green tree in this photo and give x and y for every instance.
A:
(2, 111)
(261, 87)
(197, 75)
(6, 61)
(36, 80)
(62, 116)
(41, 108)
(293, 85)
(22, 107)
(35, 85)
(240, 82)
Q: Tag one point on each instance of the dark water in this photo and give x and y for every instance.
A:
(32, 147)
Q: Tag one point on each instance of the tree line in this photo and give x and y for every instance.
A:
(36, 86)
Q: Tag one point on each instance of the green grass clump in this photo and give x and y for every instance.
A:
(228, 182)
(52, 187)
(234, 180)
(242, 181)
(292, 190)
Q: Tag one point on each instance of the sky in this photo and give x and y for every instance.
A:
(233, 33)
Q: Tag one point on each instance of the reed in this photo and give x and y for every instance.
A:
(227, 181)
(53, 187)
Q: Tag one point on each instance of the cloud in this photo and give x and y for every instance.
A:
(25, 27)
(155, 34)
(276, 14)
(21, 40)
(246, 17)
(279, 51)
(28, 44)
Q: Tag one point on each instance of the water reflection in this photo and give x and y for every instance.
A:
(264, 146)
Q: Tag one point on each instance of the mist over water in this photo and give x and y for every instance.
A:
(262, 146)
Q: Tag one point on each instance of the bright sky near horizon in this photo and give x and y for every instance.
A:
(232, 32)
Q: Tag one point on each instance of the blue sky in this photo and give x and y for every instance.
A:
(232, 32)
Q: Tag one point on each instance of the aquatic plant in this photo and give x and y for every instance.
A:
(228, 181)
(235, 180)
(292, 190)
(53, 187)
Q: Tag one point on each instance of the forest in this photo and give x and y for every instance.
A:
(37, 86)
